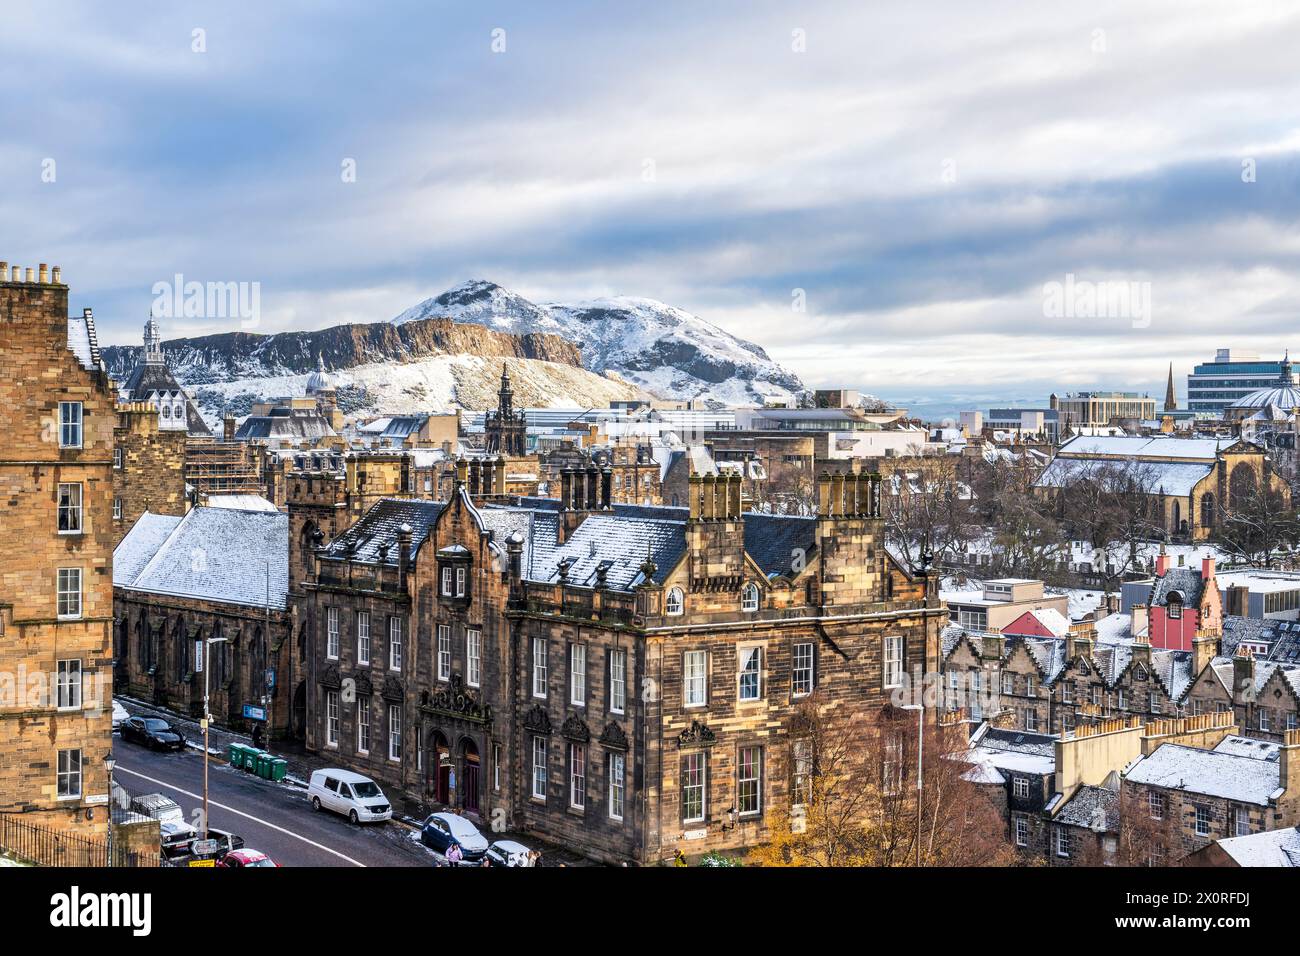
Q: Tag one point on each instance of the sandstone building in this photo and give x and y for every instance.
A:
(56, 558)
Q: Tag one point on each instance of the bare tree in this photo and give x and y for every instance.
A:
(1258, 525)
(927, 508)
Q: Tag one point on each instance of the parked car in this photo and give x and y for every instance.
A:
(246, 859)
(510, 853)
(440, 830)
(176, 833)
(153, 732)
(355, 796)
(119, 715)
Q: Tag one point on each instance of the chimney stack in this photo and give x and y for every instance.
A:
(403, 554)
(228, 428)
(1162, 562)
(1205, 646)
(1243, 676)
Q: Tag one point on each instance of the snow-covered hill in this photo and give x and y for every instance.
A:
(665, 350)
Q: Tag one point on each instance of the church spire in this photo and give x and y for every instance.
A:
(1171, 397)
(153, 353)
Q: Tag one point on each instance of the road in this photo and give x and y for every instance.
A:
(272, 817)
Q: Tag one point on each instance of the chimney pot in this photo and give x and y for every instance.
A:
(44, 273)
(31, 274)
(57, 275)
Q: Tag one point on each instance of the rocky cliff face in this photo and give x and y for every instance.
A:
(219, 358)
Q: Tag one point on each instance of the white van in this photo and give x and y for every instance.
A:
(356, 797)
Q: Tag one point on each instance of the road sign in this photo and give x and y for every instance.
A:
(253, 712)
(212, 863)
(270, 678)
(198, 657)
(205, 847)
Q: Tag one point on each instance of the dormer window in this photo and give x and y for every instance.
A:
(453, 575)
(749, 598)
(1174, 606)
(674, 603)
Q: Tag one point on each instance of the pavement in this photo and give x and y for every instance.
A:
(277, 818)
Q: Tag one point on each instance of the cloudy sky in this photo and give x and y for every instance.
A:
(914, 173)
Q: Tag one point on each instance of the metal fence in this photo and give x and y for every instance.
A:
(42, 846)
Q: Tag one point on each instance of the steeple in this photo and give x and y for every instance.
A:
(1171, 398)
(1287, 378)
(153, 353)
(506, 397)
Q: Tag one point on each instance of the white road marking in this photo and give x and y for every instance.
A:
(247, 816)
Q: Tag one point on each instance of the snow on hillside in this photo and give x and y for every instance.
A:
(663, 349)
(443, 381)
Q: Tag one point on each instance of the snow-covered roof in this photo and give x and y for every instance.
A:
(82, 341)
(1154, 477)
(1271, 848)
(241, 502)
(212, 554)
(1248, 779)
(1142, 446)
(1096, 808)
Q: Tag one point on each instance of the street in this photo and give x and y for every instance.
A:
(272, 817)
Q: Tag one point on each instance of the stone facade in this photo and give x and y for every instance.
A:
(148, 467)
(56, 558)
(625, 721)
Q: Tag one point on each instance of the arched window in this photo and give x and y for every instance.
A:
(1207, 510)
(749, 598)
(1174, 606)
(166, 411)
(674, 603)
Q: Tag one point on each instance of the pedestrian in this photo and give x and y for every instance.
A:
(679, 858)
(454, 854)
(257, 736)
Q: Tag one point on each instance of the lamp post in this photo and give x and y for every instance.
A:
(207, 720)
(109, 764)
(920, 746)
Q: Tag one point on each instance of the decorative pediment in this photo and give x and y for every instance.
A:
(456, 700)
(393, 689)
(613, 738)
(329, 677)
(537, 721)
(362, 681)
(575, 729)
(697, 734)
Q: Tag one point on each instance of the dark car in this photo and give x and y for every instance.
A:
(441, 830)
(153, 732)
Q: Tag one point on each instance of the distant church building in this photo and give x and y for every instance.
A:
(506, 430)
(151, 381)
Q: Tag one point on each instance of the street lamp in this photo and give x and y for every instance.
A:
(920, 745)
(207, 720)
(109, 764)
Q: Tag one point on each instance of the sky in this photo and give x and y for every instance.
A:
(915, 199)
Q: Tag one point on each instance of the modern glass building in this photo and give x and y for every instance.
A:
(1213, 386)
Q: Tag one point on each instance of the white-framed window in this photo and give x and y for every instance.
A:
(496, 767)
(332, 633)
(616, 786)
(617, 680)
(539, 667)
(1020, 786)
(1067, 692)
(539, 768)
(577, 776)
(892, 663)
(69, 685)
(70, 507)
(117, 509)
(460, 580)
(1264, 718)
(1291, 720)
(578, 675)
(1062, 842)
(1031, 719)
(1029, 685)
(675, 602)
(69, 424)
(394, 731)
(117, 457)
(363, 637)
(473, 657)
(1096, 695)
(1202, 820)
(749, 781)
(1008, 683)
(395, 647)
(363, 725)
(446, 580)
(69, 593)
(444, 652)
(69, 774)
(1121, 699)
(801, 772)
(749, 598)
(1240, 821)
(695, 678)
(751, 673)
(801, 669)
(1022, 830)
(332, 718)
(694, 778)
(891, 775)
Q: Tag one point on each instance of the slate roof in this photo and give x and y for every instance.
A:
(212, 554)
(624, 543)
(1215, 774)
(378, 529)
(297, 424)
(1186, 581)
(1156, 477)
(146, 378)
(1091, 807)
(1279, 848)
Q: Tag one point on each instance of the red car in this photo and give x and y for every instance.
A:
(245, 859)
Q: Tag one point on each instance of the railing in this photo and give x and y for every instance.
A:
(42, 846)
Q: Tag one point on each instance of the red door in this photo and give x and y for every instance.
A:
(471, 778)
